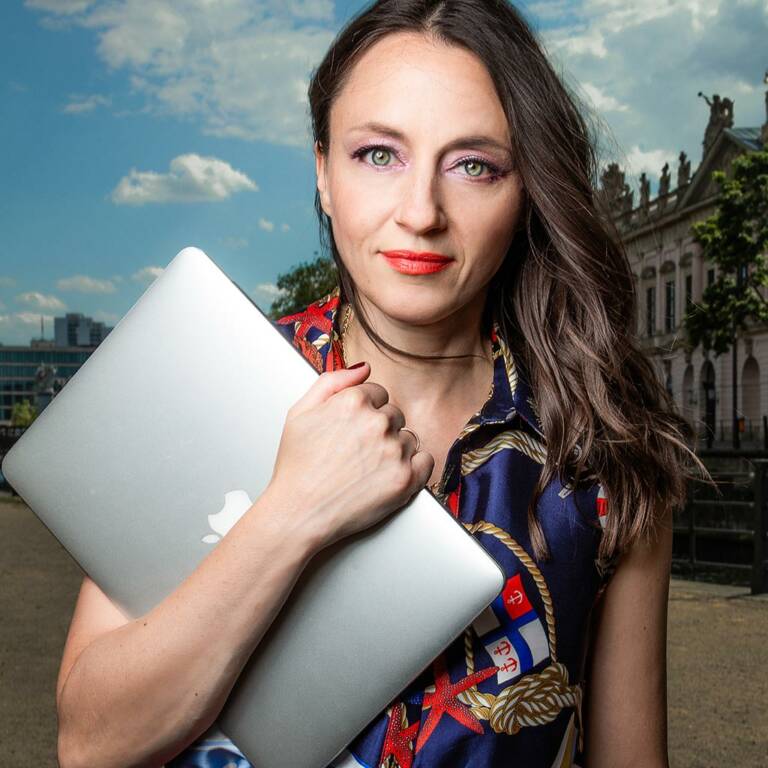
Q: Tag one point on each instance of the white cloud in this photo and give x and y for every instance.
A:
(267, 289)
(266, 225)
(190, 179)
(264, 294)
(85, 284)
(240, 69)
(79, 104)
(33, 318)
(284, 227)
(7, 282)
(40, 300)
(650, 162)
(147, 274)
(20, 327)
(602, 101)
(641, 65)
(61, 7)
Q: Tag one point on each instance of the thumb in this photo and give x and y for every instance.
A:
(330, 382)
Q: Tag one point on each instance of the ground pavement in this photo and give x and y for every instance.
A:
(718, 657)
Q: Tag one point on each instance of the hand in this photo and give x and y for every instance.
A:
(343, 461)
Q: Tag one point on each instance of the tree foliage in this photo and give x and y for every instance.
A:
(305, 283)
(23, 414)
(735, 238)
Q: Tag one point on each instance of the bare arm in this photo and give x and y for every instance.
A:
(136, 693)
(142, 690)
(626, 694)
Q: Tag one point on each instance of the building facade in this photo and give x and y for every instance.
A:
(77, 330)
(670, 272)
(36, 373)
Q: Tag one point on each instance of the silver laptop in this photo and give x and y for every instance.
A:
(157, 446)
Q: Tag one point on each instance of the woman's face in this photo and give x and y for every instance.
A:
(419, 160)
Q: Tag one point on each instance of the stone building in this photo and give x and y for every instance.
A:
(670, 273)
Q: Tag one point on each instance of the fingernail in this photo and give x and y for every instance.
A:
(357, 365)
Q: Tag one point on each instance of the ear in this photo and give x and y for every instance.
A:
(322, 179)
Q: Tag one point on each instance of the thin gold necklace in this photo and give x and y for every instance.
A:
(345, 318)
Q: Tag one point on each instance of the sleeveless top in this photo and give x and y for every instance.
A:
(508, 690)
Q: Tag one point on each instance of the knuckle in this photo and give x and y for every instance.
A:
(401, 482)
(393, 450)
(354, 399)
(379, 423)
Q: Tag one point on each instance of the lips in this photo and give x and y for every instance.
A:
(416, 262)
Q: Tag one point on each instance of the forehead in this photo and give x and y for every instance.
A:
(420, 85)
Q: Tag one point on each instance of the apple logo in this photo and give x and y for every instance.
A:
(235, 505)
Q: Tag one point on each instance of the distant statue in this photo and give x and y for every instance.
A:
(614, 190)
(645, 191)
(665, 181)
(683, 171)
(720, 117)
(44, 378)
(44, 385)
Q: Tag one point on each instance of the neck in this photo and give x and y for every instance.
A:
(423, 384)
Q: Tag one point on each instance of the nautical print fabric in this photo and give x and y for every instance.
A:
(508, 691)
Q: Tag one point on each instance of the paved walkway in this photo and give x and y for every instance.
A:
(718, 657)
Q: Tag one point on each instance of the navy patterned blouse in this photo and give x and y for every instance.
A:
(508, 691)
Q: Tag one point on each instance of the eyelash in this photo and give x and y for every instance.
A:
(496, 172)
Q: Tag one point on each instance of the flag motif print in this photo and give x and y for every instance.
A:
(602, 506)
(511, 632)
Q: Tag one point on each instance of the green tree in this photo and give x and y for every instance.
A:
(305, 283)
(23, 414)
(735, 238)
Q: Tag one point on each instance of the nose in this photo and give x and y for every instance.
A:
(419, 209)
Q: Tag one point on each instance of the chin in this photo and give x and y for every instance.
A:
(412, 305)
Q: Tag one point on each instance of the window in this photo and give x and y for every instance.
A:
(688, 292)
(669, 306)
(650, 311)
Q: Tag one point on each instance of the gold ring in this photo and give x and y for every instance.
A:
(418, 442)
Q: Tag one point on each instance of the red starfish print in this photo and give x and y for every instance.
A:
(444, 700)
(313, 317)
(397, 742)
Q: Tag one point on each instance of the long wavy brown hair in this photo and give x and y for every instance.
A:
(564, 296)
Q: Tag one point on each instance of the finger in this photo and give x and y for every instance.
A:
(410, 440)
(396, 417)
(328, 384)
(422, 464)
(375, 393)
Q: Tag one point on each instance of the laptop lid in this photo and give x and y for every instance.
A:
(161, 441)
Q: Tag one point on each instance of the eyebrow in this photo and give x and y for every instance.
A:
(463, 142)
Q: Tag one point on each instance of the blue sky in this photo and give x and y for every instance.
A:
(131, 128)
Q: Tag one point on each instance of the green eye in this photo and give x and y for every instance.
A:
(469, 164)
(380, 153)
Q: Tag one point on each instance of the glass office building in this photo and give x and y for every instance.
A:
(19, 366)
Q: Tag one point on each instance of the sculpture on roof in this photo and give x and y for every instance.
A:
(664, 181)
(645, 191)
(683, 171)
(720, 117)
(614, 190)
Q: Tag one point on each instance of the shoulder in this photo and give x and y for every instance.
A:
(313, 330)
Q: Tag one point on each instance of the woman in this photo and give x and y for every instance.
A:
(495, 315)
